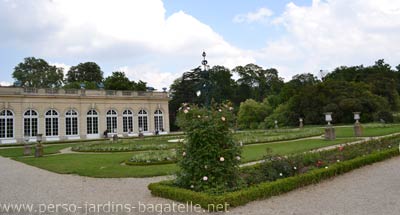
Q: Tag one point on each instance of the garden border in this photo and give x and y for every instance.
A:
(265, 190)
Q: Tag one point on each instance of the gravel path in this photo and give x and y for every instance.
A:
(370, 190)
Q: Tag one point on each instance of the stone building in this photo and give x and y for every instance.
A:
(61, 114)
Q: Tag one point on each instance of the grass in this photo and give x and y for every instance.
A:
(368, 130)
(18, 152)
(109, 165)
(272, 135)
(97, 165)
(256, 152)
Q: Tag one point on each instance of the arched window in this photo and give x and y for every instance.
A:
(127, 118)
(30, 123)
(6, 124)
(71, 123)
(111, 121)
(158, 120)
(142, 118)
(92, 122)
(51, 119)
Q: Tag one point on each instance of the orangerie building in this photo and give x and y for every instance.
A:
(60, 114)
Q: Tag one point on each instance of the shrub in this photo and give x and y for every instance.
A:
(209, 159)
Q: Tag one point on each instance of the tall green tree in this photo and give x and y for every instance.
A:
(117, 81)
(85, 72)
(258, 83)
(36, 72)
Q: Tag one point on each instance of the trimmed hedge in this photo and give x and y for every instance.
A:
(267, 189)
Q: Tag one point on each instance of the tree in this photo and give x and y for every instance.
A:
(258, 83)
(298, 82)
(139, 86)
(118, 81)
(252, 113)
(221, 84)
(85, 72)
(36, 72)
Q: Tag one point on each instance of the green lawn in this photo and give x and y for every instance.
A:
(109, 165)
(18, 152)
(368, 130)
(256, 152)
(97, 165)
(272, 135)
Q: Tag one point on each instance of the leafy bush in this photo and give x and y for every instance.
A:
(209, 159)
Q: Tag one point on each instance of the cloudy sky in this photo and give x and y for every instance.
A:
(155, 41)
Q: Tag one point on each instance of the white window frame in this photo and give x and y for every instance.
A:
(91, 116)
(158, 120)
(6, 117)
(143, 120)
(127, 119)
(112, 121)
(52, 115)
(71, 114)
(31, 118)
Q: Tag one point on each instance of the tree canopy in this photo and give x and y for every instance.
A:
(85, 72)
(118, 81)
(261, 97)
(36, 72)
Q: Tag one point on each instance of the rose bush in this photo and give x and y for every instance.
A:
(209, 157)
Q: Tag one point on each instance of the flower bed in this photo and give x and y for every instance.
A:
(122, 147)
(279, 175)
(153, 158)
(251, 137)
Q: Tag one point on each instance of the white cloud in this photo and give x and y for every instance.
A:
(149, 74)
(261, 15)
(331, 33)
(5, 83)
(127, 32)
(156, 48)
(62, 65)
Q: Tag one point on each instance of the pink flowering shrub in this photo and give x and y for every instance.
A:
(209, 157)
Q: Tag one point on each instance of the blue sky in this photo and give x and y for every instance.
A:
(219, 15)
(157, 40)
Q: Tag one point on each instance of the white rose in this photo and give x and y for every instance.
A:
(222, 159)
(205, 178)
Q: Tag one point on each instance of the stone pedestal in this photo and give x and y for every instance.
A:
(357, 130)
(301, 125)
(38, 151)
(330, 133)
(27, 150)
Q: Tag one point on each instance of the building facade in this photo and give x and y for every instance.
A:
(60, 114)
